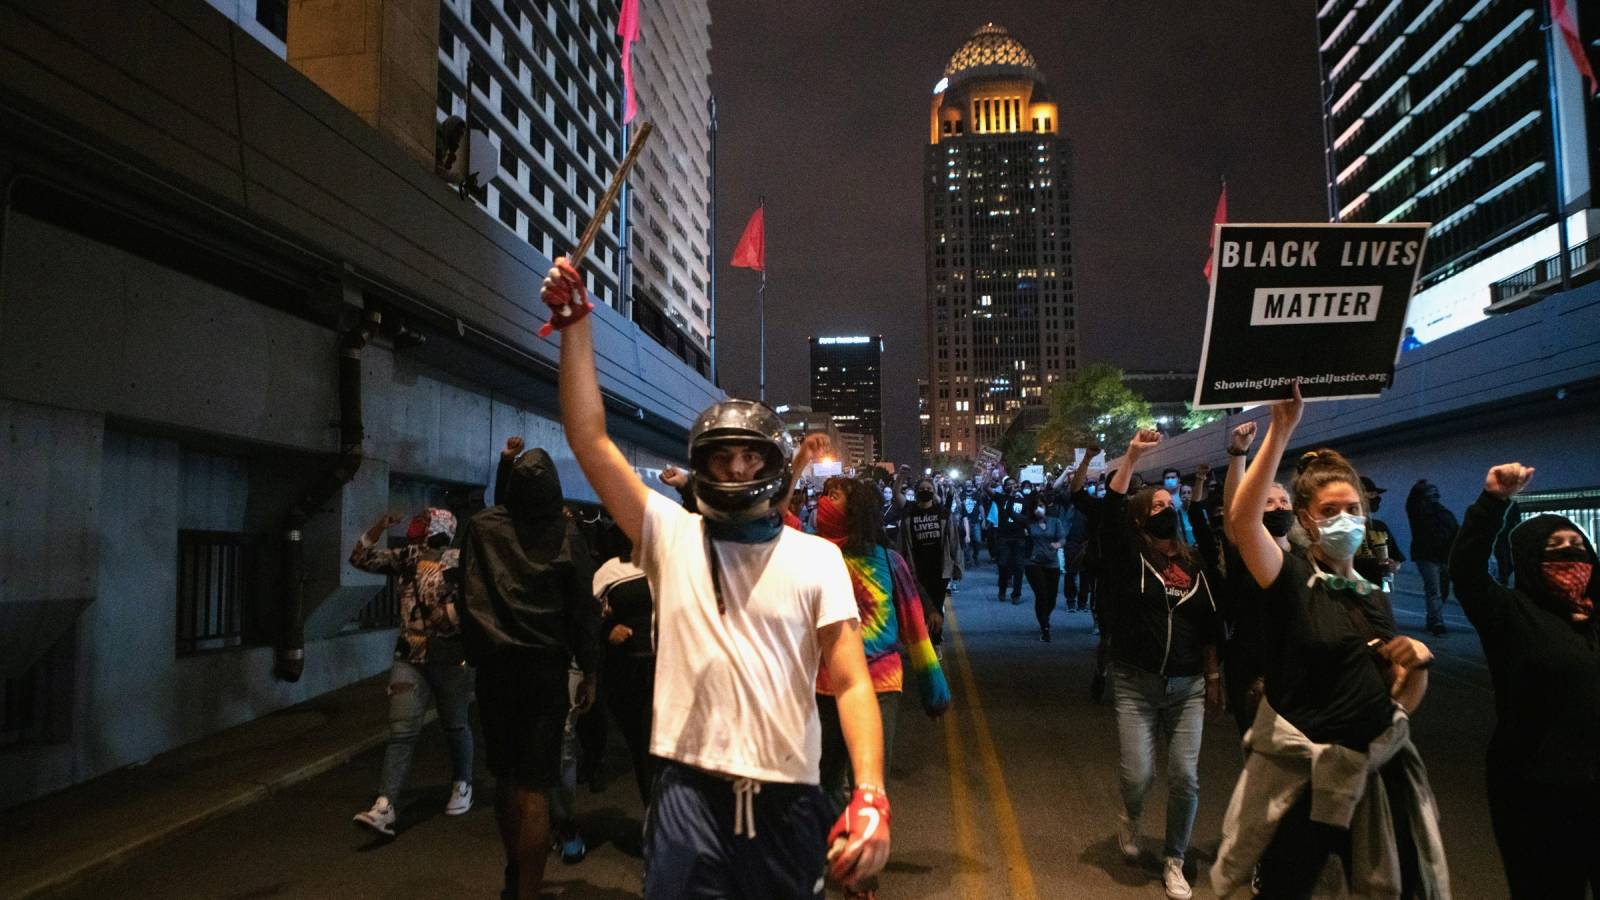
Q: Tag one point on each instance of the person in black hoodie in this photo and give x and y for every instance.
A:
(1433, 530)
(526, 611)
(1543, 648)
(1164, 632)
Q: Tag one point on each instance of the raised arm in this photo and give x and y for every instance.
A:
(1482, 598)
(1146, 440)
(1239, 441)
(583, 413)
(1080, 475)
(369, 557)
(1242, 522)
(813, 446)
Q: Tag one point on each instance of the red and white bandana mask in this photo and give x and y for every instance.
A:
(431, 521)
(1569, 582)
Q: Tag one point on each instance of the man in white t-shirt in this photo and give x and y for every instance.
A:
(745, 611)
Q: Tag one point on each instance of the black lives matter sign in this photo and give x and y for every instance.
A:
(1324, 304)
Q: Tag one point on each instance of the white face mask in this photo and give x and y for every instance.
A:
(1340, 536)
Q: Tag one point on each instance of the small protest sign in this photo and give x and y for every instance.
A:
(1034, 474)
(1321, 303)
(823, 469)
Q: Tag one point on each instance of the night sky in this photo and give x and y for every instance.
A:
(823, 108)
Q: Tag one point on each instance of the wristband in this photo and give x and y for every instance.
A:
(1213, 676)
(1233, 452)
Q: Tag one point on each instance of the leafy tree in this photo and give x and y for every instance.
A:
(1092, 405)
(1017, 449)
(1199, 418)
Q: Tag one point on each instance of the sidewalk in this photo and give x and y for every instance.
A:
(53, 842)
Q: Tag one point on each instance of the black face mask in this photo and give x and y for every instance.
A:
(1278, 521)
(924, 496)
(1163, 525)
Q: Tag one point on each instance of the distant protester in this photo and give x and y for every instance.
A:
(429, 659)
(1542, 643)
(1433, 531)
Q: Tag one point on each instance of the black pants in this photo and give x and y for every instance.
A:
(1012, 552)
(934, 591)
(1043, 581)
(1547, 836)
(630, 689)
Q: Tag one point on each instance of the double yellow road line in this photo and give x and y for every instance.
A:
(969, 877)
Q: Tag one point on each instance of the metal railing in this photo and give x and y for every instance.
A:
(1539, 278)
(382, 611)
(216, 589)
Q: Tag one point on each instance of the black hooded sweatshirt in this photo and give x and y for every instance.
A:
(1545, 667)
(526, 575)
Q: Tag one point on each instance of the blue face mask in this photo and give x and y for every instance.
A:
(1170, 484)
(1340, 536)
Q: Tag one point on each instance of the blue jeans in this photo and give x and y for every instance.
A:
(564, 798)
(411, 689)
(1149, 706)
(1435, 588)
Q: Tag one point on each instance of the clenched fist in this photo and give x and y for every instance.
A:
(1507, 480)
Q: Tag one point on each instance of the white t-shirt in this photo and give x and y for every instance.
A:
(736, 692)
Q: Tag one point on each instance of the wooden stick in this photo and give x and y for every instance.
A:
(609, 199)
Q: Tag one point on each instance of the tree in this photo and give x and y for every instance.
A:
(1199, 418)
(1092, 405)
(1017, 449)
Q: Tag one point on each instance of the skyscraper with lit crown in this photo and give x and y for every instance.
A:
(1000, 319)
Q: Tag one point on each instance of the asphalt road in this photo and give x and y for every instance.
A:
(1014, 793)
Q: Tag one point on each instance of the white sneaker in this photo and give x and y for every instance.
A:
(1127, 838)
(379, 818)
(1172, 876)
(460, 799)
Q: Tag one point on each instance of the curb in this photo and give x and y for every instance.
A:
(52, 883)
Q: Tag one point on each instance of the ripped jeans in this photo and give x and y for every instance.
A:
(411, 688)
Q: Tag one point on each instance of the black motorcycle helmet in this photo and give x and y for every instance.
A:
(740, 422)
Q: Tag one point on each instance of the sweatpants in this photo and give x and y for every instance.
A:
(691, 850)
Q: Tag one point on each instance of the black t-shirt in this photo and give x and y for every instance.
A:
(1320, 674)
(926, 538)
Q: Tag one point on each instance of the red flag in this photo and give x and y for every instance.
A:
(1561, 15)
(751, 252)
(1218, 219)
(628, 30)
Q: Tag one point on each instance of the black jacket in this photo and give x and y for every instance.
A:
(1433, 527)
(1545, 668)
(1151, 627)
(526, 573)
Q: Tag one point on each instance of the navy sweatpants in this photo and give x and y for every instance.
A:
(691, 851)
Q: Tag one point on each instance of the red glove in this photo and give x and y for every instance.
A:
(859, 842)
(564, 293)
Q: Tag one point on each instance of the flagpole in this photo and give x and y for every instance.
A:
(761, 305)
(1553, 95)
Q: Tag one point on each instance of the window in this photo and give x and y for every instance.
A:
(217, 584)
(480, 21)
(508, 211)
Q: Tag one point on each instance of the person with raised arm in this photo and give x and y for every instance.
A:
(1332, 786)
(1164, 631)
(746, 610)
(1542, 644)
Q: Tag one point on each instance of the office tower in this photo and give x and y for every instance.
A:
(847, 382)
(1000, 299)
(1441, 113)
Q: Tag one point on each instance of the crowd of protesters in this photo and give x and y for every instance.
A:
(756, 630)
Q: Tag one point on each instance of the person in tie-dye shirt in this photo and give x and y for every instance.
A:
(848, 514)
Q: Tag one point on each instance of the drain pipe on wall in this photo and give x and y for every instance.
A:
(291, 655)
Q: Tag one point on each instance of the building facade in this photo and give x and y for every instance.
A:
(847, 382)
(1457, 113)
(237, 340)
(671, 186)
(1000, 320)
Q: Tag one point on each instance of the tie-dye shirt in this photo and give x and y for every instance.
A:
(891, 619)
